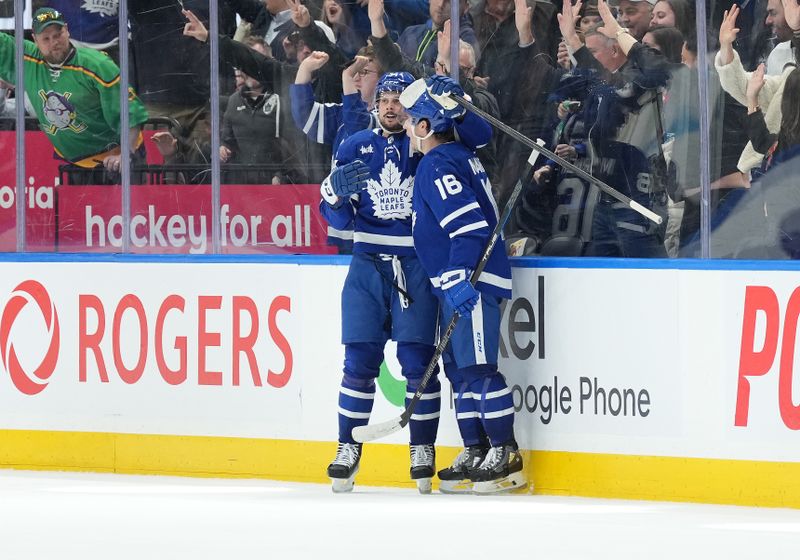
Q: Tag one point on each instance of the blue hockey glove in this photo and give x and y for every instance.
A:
(349, 178)
(459, 292)
(444, 85)
(440, 88)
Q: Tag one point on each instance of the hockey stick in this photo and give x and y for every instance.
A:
(516, 135)
(370, 432)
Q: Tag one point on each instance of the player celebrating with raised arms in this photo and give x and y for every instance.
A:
(454, 215)
(386, 293)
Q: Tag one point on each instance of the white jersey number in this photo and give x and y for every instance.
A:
(448, 185)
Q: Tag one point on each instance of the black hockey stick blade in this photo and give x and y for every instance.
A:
(516, 135)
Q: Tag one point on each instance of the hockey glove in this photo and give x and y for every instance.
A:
(440, 88)
(349, 178)
(459, 292)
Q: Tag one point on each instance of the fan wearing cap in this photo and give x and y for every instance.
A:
(386, 294)
(75, 92)
(454, 217)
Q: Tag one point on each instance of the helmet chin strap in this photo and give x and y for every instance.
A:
(419, 139)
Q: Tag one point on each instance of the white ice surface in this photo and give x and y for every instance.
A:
(68, 516)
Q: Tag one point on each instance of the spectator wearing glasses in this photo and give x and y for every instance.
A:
(331, 123)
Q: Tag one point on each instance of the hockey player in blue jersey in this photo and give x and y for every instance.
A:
(386, 293)
(454, 214)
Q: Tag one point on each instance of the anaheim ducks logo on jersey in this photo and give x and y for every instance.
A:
(391, 197)
(59, 112)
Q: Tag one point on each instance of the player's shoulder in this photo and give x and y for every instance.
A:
(445, 158)
(361, 144)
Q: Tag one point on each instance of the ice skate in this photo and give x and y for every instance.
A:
(423, 465)
(344, 467)
(500, 471)
(455, 478)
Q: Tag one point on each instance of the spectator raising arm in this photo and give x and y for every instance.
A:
(311, 64)
(268, 71)
(386, 51)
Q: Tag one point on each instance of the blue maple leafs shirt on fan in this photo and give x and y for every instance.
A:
(387, 294)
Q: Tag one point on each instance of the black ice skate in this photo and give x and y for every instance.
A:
(345, 466)
(423, 461)
(500, 471)
(455, 479)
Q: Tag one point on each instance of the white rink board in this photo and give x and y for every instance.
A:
(672, 337)
(302, 409)
(676, 334)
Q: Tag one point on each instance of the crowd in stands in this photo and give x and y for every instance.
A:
(611, 87)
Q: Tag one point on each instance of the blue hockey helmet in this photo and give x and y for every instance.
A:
(394, 82)
(420, 105)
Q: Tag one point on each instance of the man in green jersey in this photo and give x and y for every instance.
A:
(75, 92)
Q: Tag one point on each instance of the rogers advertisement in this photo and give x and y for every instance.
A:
(165, 219)
(210, 349)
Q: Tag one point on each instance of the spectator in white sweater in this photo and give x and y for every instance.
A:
(734, 78)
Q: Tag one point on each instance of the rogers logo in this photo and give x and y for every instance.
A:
(29, 291)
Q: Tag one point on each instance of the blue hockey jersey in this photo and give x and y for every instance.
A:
(454, 213)
(381, 213)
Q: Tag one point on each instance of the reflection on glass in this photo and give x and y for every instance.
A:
(611, 89)
(756, 216)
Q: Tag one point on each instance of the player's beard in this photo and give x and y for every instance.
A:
(393, 128)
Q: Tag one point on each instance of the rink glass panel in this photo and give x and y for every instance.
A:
(753, 215)
(176, 205)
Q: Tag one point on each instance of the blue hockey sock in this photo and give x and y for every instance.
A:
(356, 397)
(495, 407)
(424, 423)
(469, 423)
(357, 391)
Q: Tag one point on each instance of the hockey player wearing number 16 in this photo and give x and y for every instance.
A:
(386, 293)
(454, 215)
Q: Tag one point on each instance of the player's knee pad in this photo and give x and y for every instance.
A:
(453, 374)
(414, 358)
(359, 383)
(474, 375)
(362, 360)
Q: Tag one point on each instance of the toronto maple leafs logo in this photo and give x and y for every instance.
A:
(391, 197)
(102, 7)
